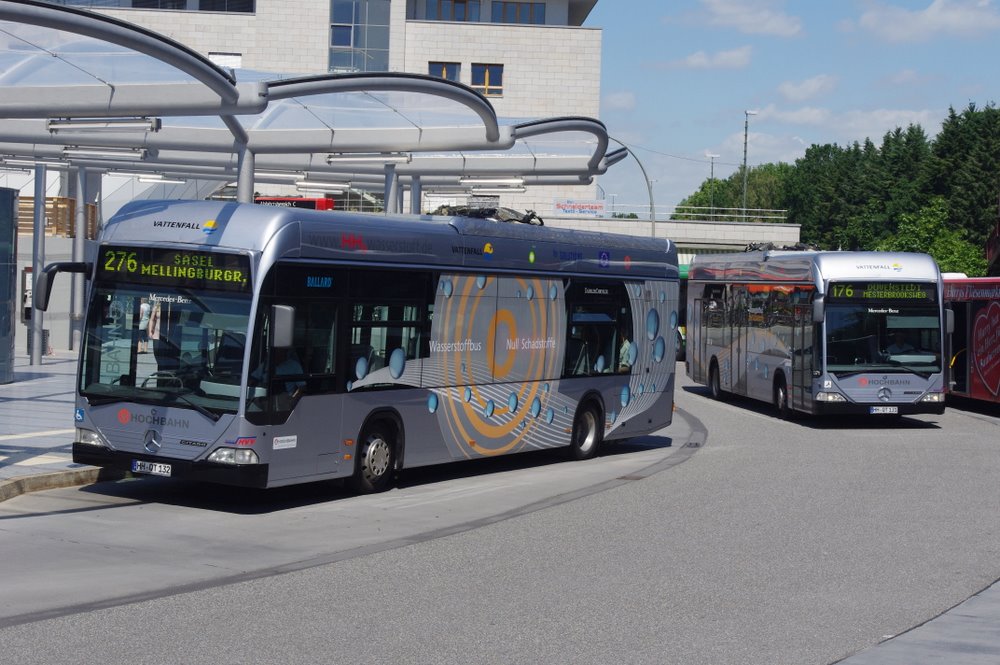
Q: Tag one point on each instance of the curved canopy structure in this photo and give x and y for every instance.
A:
(79, 89)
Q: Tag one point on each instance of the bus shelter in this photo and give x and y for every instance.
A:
(89, 95)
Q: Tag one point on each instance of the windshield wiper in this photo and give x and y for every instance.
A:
(198, 407)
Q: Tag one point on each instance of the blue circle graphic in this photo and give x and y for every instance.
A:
(432, 403)
(397, 363)
(659, 349)
(652, 324)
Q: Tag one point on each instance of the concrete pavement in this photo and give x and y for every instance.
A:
(36, 428)
(36, 436)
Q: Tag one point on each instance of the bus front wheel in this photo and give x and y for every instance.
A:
(586, 433)
(376, 461)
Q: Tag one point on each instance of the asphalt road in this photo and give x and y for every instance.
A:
(774, 542)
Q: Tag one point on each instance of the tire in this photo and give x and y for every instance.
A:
(376, 461)
(714, 386)
(587, 433)
(781, 400)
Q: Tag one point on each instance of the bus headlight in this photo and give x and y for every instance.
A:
(830, 397)
(234, 456)
(89, 437)
(933, 397)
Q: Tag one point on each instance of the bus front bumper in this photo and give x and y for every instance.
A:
(240, 475)
(853, 408)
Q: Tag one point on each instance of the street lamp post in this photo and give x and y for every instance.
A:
(746, 131)
(711, 185)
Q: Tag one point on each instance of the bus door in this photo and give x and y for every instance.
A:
(800, 396)
(696, 341)
(738, 314)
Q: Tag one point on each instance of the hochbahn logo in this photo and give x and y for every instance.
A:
(126, 417)
(884, 381)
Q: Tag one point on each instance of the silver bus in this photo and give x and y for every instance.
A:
(260, 346)
(819, 332)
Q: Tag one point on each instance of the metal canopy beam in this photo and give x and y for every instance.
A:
(133, 99)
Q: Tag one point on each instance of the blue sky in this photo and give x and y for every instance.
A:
(677, 77)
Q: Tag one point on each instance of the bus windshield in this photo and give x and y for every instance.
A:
(165, 345)
(882, 337)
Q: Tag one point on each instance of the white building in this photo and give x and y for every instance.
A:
(531, 59)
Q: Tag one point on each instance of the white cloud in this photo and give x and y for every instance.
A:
(904, 77)
(620, 101)
(803, 90)
(732, 59)
(754, 17)
(958, 18)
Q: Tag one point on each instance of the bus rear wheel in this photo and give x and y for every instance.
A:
(714, 386)
(781, 400)
(376, 461)
(586, 433)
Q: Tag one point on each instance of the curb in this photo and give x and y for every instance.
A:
(56, 480)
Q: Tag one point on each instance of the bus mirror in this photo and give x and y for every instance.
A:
(43, 281)
(819, 309)
(949, 321)
(282, 326)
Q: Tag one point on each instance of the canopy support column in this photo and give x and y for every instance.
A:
(77, 285)
(391, 189)
(415, 195)
(38, 263)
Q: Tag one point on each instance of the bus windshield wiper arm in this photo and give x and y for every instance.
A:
(198, 407)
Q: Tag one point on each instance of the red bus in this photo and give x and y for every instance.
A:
(295, 202)
(975, 361)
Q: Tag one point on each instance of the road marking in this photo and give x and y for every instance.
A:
(31, 435)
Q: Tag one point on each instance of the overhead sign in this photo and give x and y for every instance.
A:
(877, 291)
(175, 267)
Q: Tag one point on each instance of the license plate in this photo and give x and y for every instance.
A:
(153, 468)
(883, 409)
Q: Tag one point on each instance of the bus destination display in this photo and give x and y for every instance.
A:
(915, 292)
(175, 267)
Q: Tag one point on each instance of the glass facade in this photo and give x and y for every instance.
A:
(359, 36)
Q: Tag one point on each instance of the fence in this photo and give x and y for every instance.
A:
(60, 217)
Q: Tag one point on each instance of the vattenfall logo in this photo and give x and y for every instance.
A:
(895, 267)
(208, 228)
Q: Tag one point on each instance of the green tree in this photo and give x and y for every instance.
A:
(929, 231)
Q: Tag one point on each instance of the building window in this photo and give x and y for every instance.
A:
(342, 35)
(359, 36)
(452, 10)
(445, 70)
(488, 79)
(519, 12)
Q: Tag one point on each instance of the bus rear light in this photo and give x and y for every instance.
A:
(234, 456)
(89, 437)
(933, 397)
(830, 397)
(348, 457)
(348, 442)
